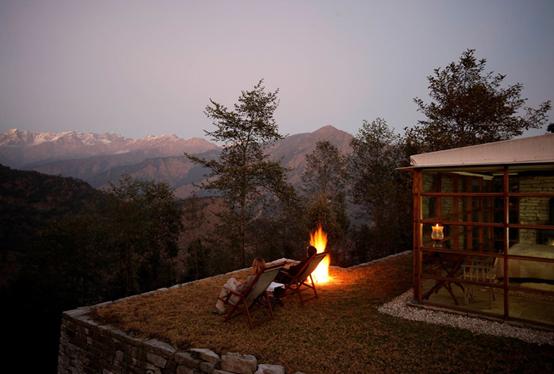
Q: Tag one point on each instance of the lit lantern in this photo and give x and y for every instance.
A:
(438, 232)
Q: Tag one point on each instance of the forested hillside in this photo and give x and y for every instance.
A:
(65, 244)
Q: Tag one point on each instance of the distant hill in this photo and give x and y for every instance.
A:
(177, 170)
(100, 170)
(292, 150)
(28, 202)
(28, 198)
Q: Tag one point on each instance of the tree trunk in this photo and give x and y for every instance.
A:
(242, 225)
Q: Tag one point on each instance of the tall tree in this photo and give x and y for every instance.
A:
(325, 170)
(377, 185)
(324, 184)
(471, 106)
(243, 172)
(146, 223)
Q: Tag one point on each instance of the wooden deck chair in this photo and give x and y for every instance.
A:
(481, 270)
(299, 282)
(255, 294)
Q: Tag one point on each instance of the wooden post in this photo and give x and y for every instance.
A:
(454, 235)
(468, 240)
(481, 216)
(417, 183)
(438, 211)
(506, 236)
(491, 238)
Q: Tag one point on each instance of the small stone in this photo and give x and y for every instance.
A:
(102, 304)
(164, 348)
(207, 367)
(133, 351)
(76, 313)
(237, 363)
(270, 369)
(155, 359)
(185, 358)
(151, 369)
(221, 372)
(206, 355)
(118, 359)
(185, 370)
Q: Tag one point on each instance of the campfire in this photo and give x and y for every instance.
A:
(318, 239)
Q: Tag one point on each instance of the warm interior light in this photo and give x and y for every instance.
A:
(318, 239)
(438, 232)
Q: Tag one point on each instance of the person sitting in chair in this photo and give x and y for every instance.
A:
(285, 275)
(258, 266)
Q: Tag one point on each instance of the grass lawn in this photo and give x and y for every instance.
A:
(341, 332)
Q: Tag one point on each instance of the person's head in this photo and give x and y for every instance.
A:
(258, 265)
(311, 251)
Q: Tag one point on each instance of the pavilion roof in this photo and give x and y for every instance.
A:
(530, 150)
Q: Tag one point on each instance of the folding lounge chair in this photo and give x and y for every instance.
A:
(299, 282)
(255, 294)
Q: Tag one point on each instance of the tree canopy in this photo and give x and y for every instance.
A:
(243, 173)
(325, 171)
(324, 184)
(470, 105)
(382, 190)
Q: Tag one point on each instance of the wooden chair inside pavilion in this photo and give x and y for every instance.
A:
(303, 280)
(479, 270)
(242, 303)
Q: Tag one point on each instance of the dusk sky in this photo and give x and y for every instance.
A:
(149, 67)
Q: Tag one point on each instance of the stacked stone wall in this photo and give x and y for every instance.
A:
(534, 210)
(89, 347)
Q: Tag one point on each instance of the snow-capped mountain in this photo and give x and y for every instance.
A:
(21, 148)
(103, 158)
(16, 137)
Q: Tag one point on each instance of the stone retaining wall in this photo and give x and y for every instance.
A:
(89, 347)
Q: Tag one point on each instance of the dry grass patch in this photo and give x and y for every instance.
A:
(340, 332)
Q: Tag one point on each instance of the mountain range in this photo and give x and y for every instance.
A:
(22, 148)
(103, 158)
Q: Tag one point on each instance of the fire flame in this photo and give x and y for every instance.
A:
(318, 239)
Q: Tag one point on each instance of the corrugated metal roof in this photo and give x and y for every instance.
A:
(531, 150)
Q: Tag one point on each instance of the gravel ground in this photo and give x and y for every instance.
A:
(399, 307)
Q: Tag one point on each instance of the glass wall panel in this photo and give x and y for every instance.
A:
(465, 237)
(478, 298)
(466, 180)
(538, 178)
(430, 207)
(535, 211)
(532, 242)
(530, 282)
